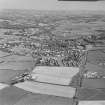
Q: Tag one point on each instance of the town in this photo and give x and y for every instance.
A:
(52, 54)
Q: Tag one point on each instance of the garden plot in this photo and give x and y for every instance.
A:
(7, 75)
(11, 95)
(92, 102)
(93, 83)
(94, 68)
(15, 62)
(96, 57)
(17, 58)
(85, 94)
(64, 72)
(54, 75)
(17, 65)
(40, 99)
(49, 89)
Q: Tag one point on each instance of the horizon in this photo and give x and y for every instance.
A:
(64, 12)
(53, 5)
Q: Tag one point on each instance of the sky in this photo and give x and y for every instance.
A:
(51, 5)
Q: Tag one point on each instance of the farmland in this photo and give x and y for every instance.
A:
(52, 41)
